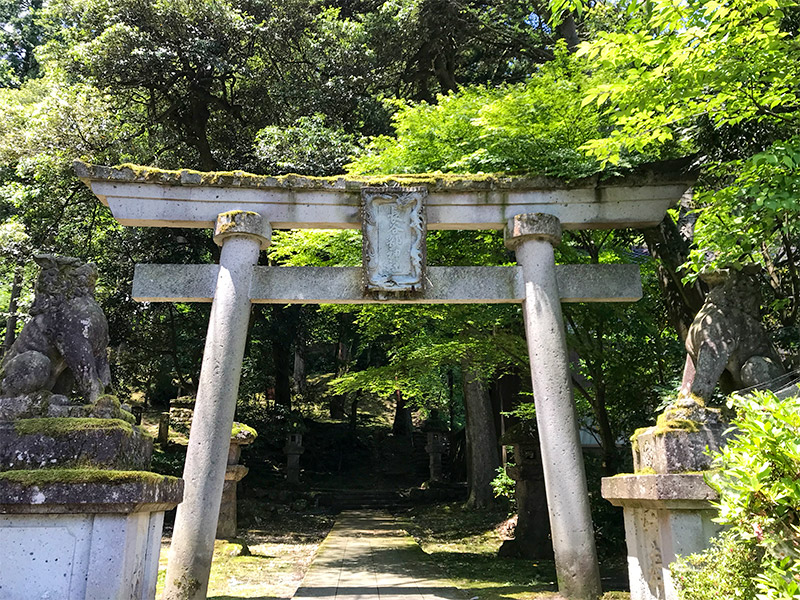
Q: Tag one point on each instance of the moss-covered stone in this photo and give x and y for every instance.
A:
(63, 426)
(243, 433)
(40, 477)
(67, 442)
(87, 490)
(439, 181)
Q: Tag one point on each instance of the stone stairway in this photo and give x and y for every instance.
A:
(356, 499)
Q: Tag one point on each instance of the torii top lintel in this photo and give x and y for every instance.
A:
(147, 197)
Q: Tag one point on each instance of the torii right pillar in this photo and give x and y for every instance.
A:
(532, 236)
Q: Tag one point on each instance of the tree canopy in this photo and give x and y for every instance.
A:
(567, 89)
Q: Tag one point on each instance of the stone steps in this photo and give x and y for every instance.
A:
(358, 499)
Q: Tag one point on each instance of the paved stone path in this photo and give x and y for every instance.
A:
(367, 556)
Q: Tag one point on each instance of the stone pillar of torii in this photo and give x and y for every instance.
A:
(394, 214)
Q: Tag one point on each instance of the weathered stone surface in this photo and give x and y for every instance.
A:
(684, 490)
(140, 196)
(80, 556)
(435, 446)
(241, 222)
(293, 449)
(209, 441)
(393, 228)
(46, 404)
(64, 344)
(344, 285)
(665, 516)
(680, 440)
(82, 535)
(532, 226)
(241, 435)
(532, 533)
(61, 442)
(87, 491)
(727, 336)
(562, 458)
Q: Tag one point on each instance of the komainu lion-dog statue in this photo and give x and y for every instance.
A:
(64, 345)
(727, 342)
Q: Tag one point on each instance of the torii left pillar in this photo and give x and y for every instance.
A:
(242, 235)
(532, 236)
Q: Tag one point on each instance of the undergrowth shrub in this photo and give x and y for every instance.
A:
(757, 476)
(726, 570)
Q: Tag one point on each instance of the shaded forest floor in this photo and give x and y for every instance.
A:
(268, 561)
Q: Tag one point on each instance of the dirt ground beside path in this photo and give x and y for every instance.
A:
(267, 562)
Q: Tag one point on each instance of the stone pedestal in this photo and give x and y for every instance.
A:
(94, 536)
(665, 516)
(163, 429)
(293, 449)
(434, 447)
(667, 504)
(79, 520)
(241, 435)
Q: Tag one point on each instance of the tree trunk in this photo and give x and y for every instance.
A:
(13, 302)
(669, 243)
(299, 371)
(402, 416)
(568, 32)
(281, 356)
(483, 456)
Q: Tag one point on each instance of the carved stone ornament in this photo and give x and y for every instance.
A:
(394, 226)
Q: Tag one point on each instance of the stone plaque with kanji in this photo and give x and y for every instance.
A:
(394, 229)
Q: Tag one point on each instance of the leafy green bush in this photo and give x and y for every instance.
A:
(307, 147)
(757, 477)
(726, 570)
(503, 485)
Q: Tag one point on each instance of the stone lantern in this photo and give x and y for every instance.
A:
(241, 435)
(435, 430)
(532, 535)
(293, 449)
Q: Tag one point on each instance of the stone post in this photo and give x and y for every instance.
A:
(532, 533)
(532, 236)
(163, 429)
(293, 449)
(241, 235)
(666, 503)
(241, 435)
(434, 448)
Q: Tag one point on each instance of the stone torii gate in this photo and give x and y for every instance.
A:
(393, 214)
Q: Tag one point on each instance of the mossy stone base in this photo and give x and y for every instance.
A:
(70, 442)
(87, 491)
(76, 534)
(680, 440)
(47, 404)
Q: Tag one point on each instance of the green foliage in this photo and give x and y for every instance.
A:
(725, 570)
(532, 127)
(503, 485)
(316, 248)
(753, 217)
(20, 34)
(307, 147)
(756, 478)
(677, 63)
(168, 461)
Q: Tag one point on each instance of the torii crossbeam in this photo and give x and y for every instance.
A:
(394, 214)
